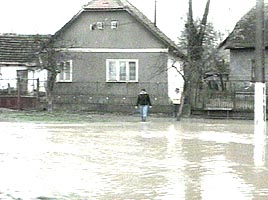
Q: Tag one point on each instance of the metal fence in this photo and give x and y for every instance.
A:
(20, 93)
(29, 87)
(237, 95)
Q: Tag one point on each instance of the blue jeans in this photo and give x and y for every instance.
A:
(144, 111)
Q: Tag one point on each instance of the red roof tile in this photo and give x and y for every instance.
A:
(21, 49)
(104, 4)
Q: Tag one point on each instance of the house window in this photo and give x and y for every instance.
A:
(100, 25)
(121, 70)
(114, 24)
(65, 74)
(92, 27)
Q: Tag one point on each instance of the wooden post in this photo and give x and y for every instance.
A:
(260, 88)
(8, 89)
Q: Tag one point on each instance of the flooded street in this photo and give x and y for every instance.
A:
(193, 159)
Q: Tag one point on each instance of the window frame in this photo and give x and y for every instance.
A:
(65, 80)
(100, 25)
(118, 75)
(114, 24)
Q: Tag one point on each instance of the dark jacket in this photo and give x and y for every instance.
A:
(143, 99)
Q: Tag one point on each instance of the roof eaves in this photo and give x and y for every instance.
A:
(173, 48)
(243, 34)
(26, 64)
(67, 24)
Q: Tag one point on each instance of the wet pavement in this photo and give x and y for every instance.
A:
(193, 159)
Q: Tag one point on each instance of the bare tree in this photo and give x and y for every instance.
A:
(195, 39)
(200, 41)
(48, 61)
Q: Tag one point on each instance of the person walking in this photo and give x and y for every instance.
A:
(144, 103)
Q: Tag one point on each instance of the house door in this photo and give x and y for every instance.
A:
(22, 76)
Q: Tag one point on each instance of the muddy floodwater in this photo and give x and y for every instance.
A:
(192, 159)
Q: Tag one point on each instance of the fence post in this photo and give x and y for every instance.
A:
(8, 89)
(37, 93)
(234, 100)
(19, 94)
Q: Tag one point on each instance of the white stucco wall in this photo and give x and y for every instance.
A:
(33, 76)
(175, 80)
(8, 78)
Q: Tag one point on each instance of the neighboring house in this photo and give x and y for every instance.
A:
(19, 60)
(241, 43)
(110, 52)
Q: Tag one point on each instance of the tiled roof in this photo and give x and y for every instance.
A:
(21, 49)
(125, 5)
(243, 35)
(105, 4)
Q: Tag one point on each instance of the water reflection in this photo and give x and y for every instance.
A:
(221, 181)
(259, 151)
(188, 160)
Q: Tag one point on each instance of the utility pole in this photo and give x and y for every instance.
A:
(260, 88)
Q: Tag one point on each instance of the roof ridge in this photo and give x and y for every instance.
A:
(24, 35)
(104, 4)
(125, 5)
(135, 11)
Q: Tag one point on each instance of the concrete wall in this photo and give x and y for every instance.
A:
(129, 34)
(175, 79)
(91, 67)
(240, 64)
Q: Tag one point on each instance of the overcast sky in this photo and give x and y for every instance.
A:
(48, 16)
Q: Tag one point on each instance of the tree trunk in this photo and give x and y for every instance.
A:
(50, 88)
(181, 107)
(49, 101)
